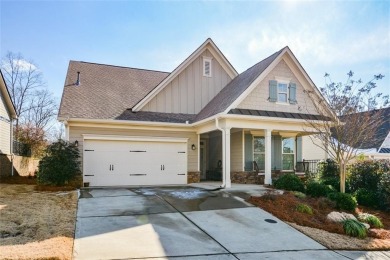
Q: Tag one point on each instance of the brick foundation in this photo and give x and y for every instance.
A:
(193, 177)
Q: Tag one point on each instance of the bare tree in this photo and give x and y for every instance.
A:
(41, 109)
(351, 116)
(35, 105)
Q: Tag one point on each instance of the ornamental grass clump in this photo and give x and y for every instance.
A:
(303, 208)
(374, 221)
(354, 228)
(299, 195)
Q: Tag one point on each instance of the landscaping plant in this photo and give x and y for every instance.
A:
(60, 164)
(299, 195)
(367, 197)
(328, 172)
(384, 191)
(343, 201)
(354, 228)
(289, 182)
(374, 221)
(367, 174)
(303, 208)
(316, 189)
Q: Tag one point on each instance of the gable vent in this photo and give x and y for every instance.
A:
(206, 67)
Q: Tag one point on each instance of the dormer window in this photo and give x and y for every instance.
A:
(207, 66)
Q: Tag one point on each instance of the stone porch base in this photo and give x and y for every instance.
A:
(252, 177)
(193, 177)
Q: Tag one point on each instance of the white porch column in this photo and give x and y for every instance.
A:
(268, 176)
(226, 160)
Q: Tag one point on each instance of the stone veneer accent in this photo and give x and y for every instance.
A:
(252, 177)
(246, 178)
(193, 177)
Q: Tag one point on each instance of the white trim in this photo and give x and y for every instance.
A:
(243, 149)
(231, 71)
(134, 138)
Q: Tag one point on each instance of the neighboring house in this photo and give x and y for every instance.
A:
(203, 120)
(7, 114)
(376, 148)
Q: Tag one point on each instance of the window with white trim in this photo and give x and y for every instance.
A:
(282, 92)
(259, 151)
(288, 153)
(207, 66)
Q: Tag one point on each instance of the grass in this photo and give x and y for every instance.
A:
(374, 221)
(36, 224)
(354, 228)
(303, 208)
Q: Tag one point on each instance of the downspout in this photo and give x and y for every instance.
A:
(11, 146)
(223, 153)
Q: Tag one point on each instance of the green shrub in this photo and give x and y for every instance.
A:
(299, 195)
(303, 208)
(316, 189)
(367, 198)
(367, 174)
(374, 221)
(289, 182)
(354, 228)
(343, 201)
(60, 164)
(384, 191)
(329, 173)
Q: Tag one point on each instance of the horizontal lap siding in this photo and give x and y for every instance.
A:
(4, 128)
(75, 133)
(236, 152)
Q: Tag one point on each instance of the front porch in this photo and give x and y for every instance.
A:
(250, 155)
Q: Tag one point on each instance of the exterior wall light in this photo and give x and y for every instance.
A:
(193, 147)
(76, 143)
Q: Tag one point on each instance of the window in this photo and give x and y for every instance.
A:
(282, 92)
(207, 67)
(288, 153)
(259, 151)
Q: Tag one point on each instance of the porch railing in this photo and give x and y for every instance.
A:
(308, 166)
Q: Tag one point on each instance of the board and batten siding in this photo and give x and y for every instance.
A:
(5, 130)
(310, 149)
(190, 91)
(236, 152)
(258, 98)
(76, 133)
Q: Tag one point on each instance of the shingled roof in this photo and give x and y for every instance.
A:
(105, 91)
(235, 88)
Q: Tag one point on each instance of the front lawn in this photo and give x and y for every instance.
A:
(316, 226)
(36, 224)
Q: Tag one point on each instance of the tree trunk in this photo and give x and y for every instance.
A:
(342, 177)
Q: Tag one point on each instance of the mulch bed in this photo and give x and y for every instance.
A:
(284, 207)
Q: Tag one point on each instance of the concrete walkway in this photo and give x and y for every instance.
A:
(189, 223)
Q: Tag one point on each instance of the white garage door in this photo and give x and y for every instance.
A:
(109, 163)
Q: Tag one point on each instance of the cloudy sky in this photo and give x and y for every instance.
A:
(325, 36)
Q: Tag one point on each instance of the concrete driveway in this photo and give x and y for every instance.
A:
(185, 223)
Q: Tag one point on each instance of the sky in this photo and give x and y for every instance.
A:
(326, 36)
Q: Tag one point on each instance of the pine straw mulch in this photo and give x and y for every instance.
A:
(329, 234)
(36, 224)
